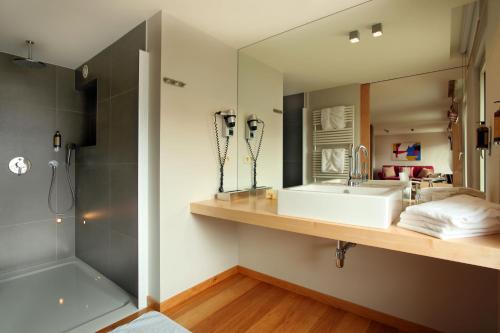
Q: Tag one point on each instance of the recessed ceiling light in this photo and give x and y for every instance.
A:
(377, 30)
(354, 36)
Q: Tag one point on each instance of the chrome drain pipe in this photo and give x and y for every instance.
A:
(340, 252)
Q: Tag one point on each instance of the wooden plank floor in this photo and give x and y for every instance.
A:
(243, 304)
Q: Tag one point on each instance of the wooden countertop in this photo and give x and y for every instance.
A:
(481, 251)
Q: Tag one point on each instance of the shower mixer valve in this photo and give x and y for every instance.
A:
(19, 165)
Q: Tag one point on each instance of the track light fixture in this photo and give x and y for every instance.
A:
(354, 36)
(377, 30)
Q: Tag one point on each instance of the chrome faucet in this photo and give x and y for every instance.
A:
(357, 174)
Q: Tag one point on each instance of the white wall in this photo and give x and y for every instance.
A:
(435, 150)
(193, 248)
(260, 90)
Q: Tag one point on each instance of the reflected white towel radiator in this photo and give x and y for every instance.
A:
(337, 138)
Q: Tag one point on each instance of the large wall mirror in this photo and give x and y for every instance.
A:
(385, 74)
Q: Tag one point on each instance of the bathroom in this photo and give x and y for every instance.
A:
(139, 100)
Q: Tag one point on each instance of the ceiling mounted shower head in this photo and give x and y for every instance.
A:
(28, 62)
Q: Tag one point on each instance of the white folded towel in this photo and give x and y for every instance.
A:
(451, 234)
(333, 118)
(462, 211)
(332, 160)
(454, 217)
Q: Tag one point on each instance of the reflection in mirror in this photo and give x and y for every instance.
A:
(399, 91)
(410, 126)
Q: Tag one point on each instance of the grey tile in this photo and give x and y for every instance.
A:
(64, 197)
(102, 128)
(92, 193)
(66, 238)
(123, 128)
(125, 60)
(100, 70)
(27, 244)
(123, 261)
(92, 245)
(68, 98)
(24, 198)
(26, 124)
(29, 86)
(86, 156)
(123, 199)
(74, 127)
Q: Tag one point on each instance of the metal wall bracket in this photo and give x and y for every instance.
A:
(174, 82)
(340, 252)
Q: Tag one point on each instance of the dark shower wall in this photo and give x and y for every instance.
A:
(107, 172)
(34, 103)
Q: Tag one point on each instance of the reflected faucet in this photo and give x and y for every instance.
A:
(357, 174)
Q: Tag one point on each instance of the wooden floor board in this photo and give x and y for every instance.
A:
(328, 322)
(210, 306)
(242, 304)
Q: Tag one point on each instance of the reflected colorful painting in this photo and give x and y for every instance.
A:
(406, 151)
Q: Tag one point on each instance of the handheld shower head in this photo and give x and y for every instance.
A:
(69, 149)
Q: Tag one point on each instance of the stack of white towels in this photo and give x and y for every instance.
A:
(454, 217)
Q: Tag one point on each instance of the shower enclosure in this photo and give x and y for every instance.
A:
(69, 216)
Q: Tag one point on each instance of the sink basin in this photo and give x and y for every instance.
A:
(375, 207)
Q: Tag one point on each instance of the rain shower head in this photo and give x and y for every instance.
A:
(29, 62)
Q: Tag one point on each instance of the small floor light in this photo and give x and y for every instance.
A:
(377, 30)
(354, 36)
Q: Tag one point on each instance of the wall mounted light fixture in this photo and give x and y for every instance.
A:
(377, 30)
(354, 36)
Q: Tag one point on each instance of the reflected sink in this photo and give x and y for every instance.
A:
(375, 207)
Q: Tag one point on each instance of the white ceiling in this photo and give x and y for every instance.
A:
(69, 32)
(418, 102)
(419, 36)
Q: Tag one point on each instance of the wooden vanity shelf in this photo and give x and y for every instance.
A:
(481, 251)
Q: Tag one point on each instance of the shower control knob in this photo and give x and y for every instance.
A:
(19, 165)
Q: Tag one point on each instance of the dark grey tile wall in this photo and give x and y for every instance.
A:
(292, 139)
(33, 105)
(107, 173)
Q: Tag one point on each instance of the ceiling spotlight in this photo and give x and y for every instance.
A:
(354, 36)
(377, 30)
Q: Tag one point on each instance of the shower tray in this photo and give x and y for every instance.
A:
(59, 298)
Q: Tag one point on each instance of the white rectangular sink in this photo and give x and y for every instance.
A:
(375, 207)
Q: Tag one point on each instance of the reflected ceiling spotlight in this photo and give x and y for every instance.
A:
(377, 30)
(354, 36)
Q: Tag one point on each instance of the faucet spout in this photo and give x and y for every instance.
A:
(357, 174)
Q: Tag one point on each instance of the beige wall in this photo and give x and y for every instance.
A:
(193, 248)
(435, 150)
(260, 90)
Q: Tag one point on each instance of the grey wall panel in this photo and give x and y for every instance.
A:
(107, 173)
(33, 105)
